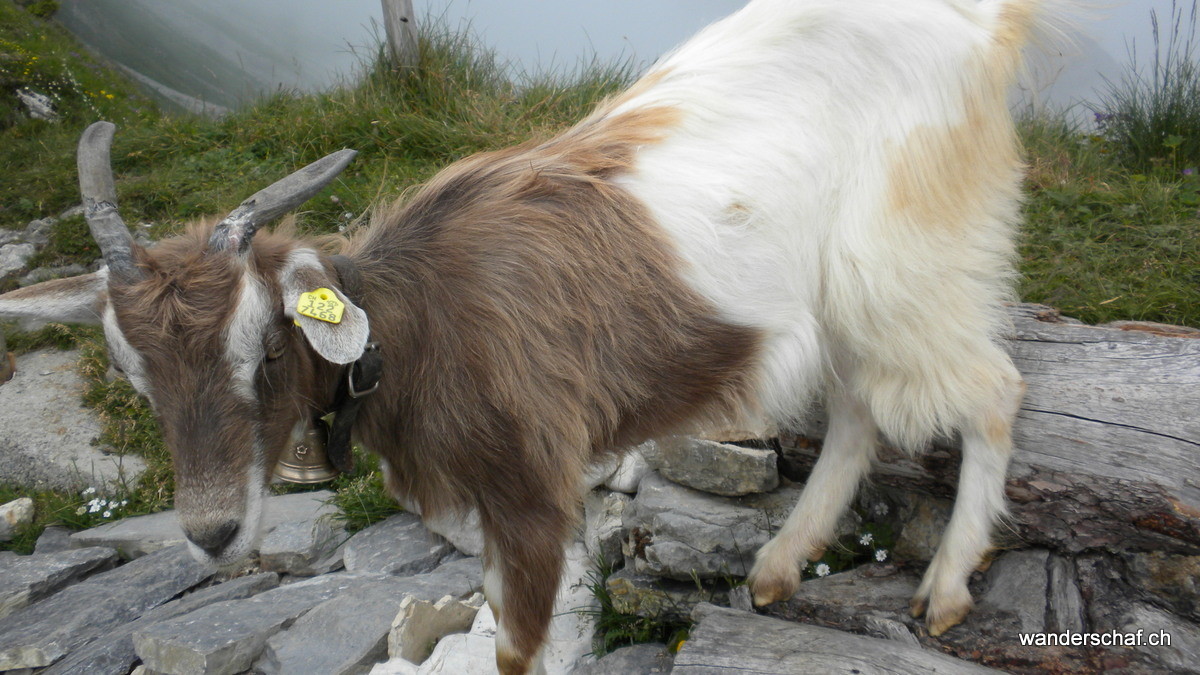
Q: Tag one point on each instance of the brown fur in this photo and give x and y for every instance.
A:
(532, 318)
(535, 320)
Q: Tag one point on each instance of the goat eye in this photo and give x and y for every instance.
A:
(274, 346)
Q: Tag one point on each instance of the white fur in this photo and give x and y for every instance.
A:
(244, 335)
(124, 355)
(805, 190)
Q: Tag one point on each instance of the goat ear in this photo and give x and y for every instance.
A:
(80, 299)
(341, 342)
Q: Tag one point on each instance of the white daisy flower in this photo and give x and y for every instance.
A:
(866, 539)
(880, 555)
(107, 514)
(822, 570)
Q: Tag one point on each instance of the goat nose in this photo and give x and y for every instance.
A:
(214, 540)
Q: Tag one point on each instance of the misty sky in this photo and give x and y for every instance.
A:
(324, 39)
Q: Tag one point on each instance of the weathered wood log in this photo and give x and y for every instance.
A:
(728, 641)
(1107, 441)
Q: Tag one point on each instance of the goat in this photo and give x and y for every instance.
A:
(810, 201)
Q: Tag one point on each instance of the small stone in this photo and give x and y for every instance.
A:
(14, 256)
(646, 659)
(13, 515)
(630, 471)
(400, 545)
(464, 533)
(43, 633)
(37, 232)
(473, 652)
(656, 598)
(421, 623)
(40, 106)
(41, 274)
(718, 468)
(53, 540)
(297, 547)
(924, 520)
(1065, 606)
(603, 529)
(681, 533)
(26, 579)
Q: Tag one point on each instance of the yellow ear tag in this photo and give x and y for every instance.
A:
(321, 304)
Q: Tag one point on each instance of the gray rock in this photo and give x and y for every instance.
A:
(227, 637)
(13, 515)
(923, 519)
(1018, 582)
(719, 468)
(300, 548)
(657, 598)
(9, 236)
(48, 434)
(26, 579)
(681, 533)
(37, 232)
(113, 652)
(630, 471)
(72, 212)
(43, 633)
(14, 256)
(400, 545)
(41, 274)
(135, 537)
(53, 540)
(726, 640)
(890, 629)
(603, 529)
(575, 613)
(40, 106)
(464, 533)
(649, 659)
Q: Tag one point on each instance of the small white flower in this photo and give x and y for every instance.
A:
(89, 491)
(880, 554)
(124, 502)
(866, 539)
(81, 510)
(107, 514)
(822, 570)
(93, 508)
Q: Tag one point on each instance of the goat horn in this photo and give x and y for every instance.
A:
(100, 202)
(238, 228)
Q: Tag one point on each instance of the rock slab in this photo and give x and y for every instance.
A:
(135, 537)
(400, 545)
(681, 533)
(717, 468)
(43, 633)
(27, 579)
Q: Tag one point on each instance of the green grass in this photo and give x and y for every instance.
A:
(1102, 242)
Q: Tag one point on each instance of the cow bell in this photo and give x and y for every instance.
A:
(306, 462)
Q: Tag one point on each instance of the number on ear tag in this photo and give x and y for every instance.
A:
(321, 304)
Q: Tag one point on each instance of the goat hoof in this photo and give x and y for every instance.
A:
(772, 582)
(944, 614)
(916, 606)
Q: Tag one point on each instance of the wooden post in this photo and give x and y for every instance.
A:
(401, 27)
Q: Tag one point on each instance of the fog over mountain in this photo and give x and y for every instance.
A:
(227, 52)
